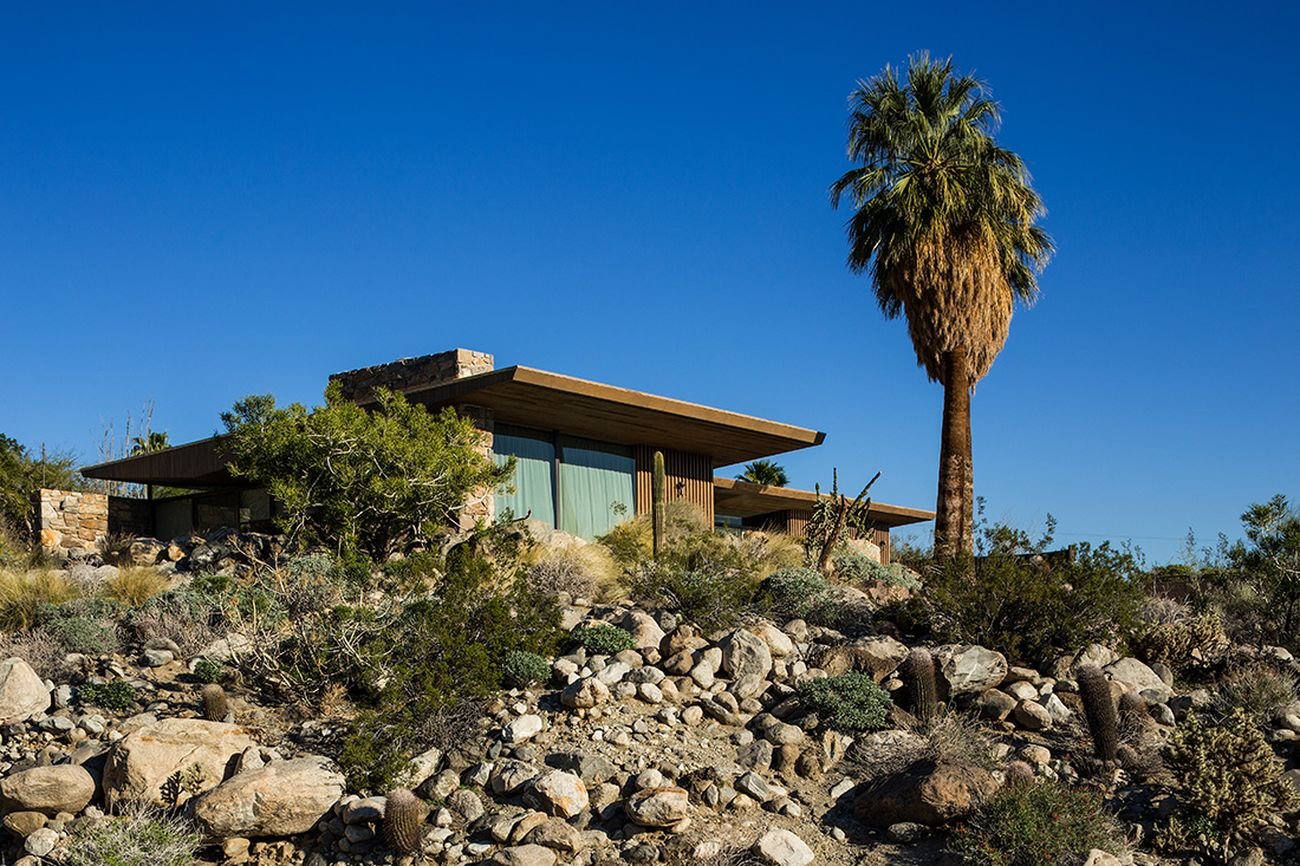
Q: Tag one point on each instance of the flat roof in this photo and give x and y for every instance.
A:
(526, 397)
(194, 464)
(746, 499)
(536, 398)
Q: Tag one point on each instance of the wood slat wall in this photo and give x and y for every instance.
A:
(689, 476)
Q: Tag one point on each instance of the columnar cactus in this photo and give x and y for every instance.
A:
(658, 493)
(1099, 708)
(404, 815)
(918, 672)
(216, 706)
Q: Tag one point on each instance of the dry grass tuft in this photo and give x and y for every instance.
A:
(22, 594)
(582, 570)
(135, 585)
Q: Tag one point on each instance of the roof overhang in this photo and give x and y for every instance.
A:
(744, 499)
(536, 398)
(195, 464)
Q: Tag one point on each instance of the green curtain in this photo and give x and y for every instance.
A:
(534, 474)
(596, 487)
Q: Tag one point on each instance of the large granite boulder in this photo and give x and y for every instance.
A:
(50, 790)
(143, 761)
(927, 794)
(22, 692)
(282, 798)
(970, 669)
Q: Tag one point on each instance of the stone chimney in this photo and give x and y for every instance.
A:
(410, 374)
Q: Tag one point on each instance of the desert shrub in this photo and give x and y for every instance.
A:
(133, 839)
(80, 634)
(209, 671)
(133, 586)
(192, 616)
(1230, 785)
(435, 656)
(1192, 643)
(22, 472)
(852, 567)
(1037, 823)
(522, 668)
(24, 594)
(1034, 609)
(711, 600)
(802, 593)
(581, 570)
(848, 702)
(375, 481)
(1257, 690)
(117, 695)
(631, 543)
(952, 739)
(602, 640)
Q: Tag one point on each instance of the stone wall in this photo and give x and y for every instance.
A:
(70, 523)
(409, 374)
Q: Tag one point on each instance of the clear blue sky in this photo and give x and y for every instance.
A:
(199, 201)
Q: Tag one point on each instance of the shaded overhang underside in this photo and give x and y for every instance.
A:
(743, 499)
(195, 464)
(548, 401)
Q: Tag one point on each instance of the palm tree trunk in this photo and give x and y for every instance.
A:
(953, 522)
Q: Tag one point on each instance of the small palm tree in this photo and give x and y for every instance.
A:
(766, 472)
(944, 224)
(149, 442)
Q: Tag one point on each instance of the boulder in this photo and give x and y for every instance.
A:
(51, 790)
(778, 642)
(778, 847)
(994, 705)
(970, 669)
(282, 798)
(22, 693)
(584, 694)
(928, 794)
(558, 793)
(658, 807)
(645, 631)
(523, 729)
(745, 656)
(1031, 716)
(142, 762)
(525, 855)
(1139, 678)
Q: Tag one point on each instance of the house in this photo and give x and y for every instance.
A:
(583, 450)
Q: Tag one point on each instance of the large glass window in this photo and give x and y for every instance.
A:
(534, 478)
(596, 486)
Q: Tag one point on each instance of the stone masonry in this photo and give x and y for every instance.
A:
(69, 523)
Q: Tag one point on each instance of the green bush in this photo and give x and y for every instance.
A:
(436, 656)
(116, 696)
(80, 634)
(373, 481)
(848, 702)
(522, 668)
(1038, 823)
(802, 593)
(1034, 609)
(1259, 690)
(710, 600)
(1230, 785)
(209, 671)
(139, 839)
(603, 640)
(858, 568)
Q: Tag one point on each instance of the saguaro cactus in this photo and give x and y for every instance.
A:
(404, 815)
(1099, 708)
(658, 493)
(918, 670)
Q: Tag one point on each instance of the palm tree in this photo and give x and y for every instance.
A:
(944, 224)
(149, 442)
(769, 473)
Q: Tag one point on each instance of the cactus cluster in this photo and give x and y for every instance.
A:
(1099, 709)
(404, 816)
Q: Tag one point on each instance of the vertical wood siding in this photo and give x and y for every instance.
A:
(796, 521)
(689, 477)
